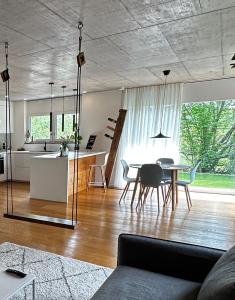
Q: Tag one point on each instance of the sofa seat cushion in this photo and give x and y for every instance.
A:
(131, 283)
(220, 282)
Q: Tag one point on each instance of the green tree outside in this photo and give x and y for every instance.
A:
(208, 133)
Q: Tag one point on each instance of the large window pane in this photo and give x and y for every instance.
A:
(40, 127)
(208, 134)
(68, 126)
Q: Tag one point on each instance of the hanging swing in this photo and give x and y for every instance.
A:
(65, 223)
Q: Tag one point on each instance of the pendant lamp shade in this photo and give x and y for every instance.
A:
(160, 135)
(51, 129)
(63, 87)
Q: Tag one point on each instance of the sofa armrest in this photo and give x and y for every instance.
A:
(189, 262)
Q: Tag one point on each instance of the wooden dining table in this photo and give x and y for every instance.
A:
(174, 177)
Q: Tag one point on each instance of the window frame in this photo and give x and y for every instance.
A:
(30, 126)
(53, 137)
(56, 125)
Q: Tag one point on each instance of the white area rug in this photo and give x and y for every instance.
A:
(58, 277)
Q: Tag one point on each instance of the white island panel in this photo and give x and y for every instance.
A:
(49, 179)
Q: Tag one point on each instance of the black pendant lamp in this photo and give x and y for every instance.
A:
(74, 116)
(51, 129)
(63, 87)
(233, 63)
(160, 135)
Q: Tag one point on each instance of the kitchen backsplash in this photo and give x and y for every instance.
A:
(49, 147)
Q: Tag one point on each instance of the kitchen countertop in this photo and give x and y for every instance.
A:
(81, 154)
(35, 152)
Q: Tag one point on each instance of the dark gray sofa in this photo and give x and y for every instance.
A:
(151, 269)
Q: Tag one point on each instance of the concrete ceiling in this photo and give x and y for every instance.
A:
(127, 43)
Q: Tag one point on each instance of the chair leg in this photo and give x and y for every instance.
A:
(89, 177)
(158, 196)
(163, 193)
(123, 193)
(128, 185)
(103, 178)
(168, 195)
(142, 190)
(152, 193)
(187, 199)
(146, 194)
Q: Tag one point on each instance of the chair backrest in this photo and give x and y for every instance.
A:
(151, 175)
(165, 160)
(194, 170)
(125, 169)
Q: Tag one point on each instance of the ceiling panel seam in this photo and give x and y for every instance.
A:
(128, 11)
(164, 23)
(25, 35)
(55, 13)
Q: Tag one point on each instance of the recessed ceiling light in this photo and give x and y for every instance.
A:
(122, 88)
(84, 92)
(25, 99)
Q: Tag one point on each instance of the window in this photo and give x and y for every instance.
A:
(207, 134)
(68, 126)
(40, 127)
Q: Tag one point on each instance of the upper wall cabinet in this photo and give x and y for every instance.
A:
(3, 117)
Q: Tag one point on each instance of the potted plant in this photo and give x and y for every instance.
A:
(65, 141)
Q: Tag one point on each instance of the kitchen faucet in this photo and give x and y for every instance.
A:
(45, 147)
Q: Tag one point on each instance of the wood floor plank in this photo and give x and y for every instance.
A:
(102, 219)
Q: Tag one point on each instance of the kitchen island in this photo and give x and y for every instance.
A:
(51, 176)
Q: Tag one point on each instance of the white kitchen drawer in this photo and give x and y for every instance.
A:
(21, 174)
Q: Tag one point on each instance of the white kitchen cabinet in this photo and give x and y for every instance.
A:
(3, 176)
(3, 117)
(21, 165)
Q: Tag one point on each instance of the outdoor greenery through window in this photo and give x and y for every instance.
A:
(40, 127)
(68, 126)
(208, 134)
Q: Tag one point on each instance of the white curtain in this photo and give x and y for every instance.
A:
(145, 113)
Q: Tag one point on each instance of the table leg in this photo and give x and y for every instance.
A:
(33, 295)
(176, 186)
(135, 187)
(173, 189)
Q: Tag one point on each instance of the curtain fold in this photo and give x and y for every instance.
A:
(145, 112)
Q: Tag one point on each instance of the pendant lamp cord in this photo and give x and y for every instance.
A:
(51, 96)
(163, 103)
(63, 98)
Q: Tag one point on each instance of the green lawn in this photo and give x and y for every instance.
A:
(211, 181)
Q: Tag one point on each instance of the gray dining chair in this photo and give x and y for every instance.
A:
(128, 180)
(166, 173)
(185, 184)
(150, 177)
(166, 161)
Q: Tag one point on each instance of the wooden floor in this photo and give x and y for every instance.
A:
(210, 222)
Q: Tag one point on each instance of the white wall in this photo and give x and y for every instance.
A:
(20, 113)
(223, 89)
(96, 108)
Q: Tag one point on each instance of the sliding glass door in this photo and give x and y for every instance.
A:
(208, 134)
